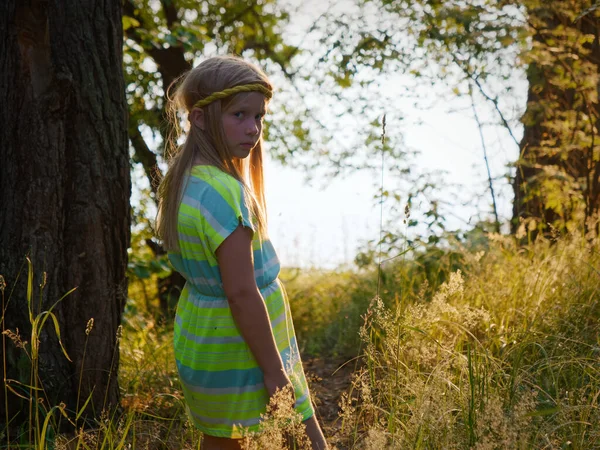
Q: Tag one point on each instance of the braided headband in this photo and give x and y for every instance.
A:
(234, 90)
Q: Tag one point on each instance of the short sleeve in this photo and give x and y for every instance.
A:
(223, 209)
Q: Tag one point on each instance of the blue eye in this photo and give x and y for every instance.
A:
(260, 116)
(238, 114)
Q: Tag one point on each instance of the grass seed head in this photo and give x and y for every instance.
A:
(15, 337)
(89, 326)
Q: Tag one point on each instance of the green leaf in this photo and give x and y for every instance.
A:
(43, 317)
(141, 271)
(30, 288)
(84, 405)
(42, 442)
(129, 22)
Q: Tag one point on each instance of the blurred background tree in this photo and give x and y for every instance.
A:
(558, 172)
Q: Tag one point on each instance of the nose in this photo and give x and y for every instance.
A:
(253, 128)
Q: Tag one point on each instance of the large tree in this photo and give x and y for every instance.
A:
(64, 197)
(557, 180)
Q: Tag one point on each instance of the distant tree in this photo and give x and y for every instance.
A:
(64, 196)
(557, 180)
(477, 47)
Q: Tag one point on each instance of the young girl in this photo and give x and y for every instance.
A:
(234, 339)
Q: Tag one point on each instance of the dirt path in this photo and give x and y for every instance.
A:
(328, 378)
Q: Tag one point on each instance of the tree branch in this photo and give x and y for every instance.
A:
(170, 12)
(170, 61)
(146, 157)
(485, 158)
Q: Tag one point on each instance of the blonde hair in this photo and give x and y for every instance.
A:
(212, 75)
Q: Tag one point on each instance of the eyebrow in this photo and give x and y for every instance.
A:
(245, 109)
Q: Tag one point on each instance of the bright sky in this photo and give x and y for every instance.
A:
(313, 227)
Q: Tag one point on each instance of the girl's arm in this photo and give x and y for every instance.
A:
(247, 306)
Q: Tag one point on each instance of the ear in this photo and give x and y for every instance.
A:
(197, 117)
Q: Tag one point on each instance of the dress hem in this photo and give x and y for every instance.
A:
(215, 432)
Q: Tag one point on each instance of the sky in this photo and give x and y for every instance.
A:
(324, 227)
(313, 226)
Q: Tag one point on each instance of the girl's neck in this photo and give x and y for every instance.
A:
(198, 161)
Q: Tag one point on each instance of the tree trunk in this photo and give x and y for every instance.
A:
(64, 195)
(557, 174)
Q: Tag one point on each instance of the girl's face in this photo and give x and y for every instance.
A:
(243, 123)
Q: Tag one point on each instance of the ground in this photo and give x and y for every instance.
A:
(328, 378)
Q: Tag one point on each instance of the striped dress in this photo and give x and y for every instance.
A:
(222, 382)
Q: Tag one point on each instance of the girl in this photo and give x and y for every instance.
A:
(234, 338)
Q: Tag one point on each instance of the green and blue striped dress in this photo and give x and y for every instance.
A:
(222, 382)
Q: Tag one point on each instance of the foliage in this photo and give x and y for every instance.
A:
(42, 424)
(560, 161)
(309, 122)
(163, 39)
(502, 356)
(492, 346)
(328, 307)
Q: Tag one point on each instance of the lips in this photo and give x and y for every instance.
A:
(248, 144)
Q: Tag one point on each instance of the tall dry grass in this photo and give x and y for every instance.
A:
(505, 355)
(493, 348)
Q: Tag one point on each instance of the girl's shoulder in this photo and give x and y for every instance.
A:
(217, 200)
(210, 174)
(209, 181)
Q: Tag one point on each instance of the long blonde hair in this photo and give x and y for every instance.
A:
(212, 75)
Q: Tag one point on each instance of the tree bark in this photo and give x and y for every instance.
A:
(572, 152)
(64, 194)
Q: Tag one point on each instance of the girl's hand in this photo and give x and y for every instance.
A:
(278, 381)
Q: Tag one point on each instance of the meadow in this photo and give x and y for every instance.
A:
(487, 346)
